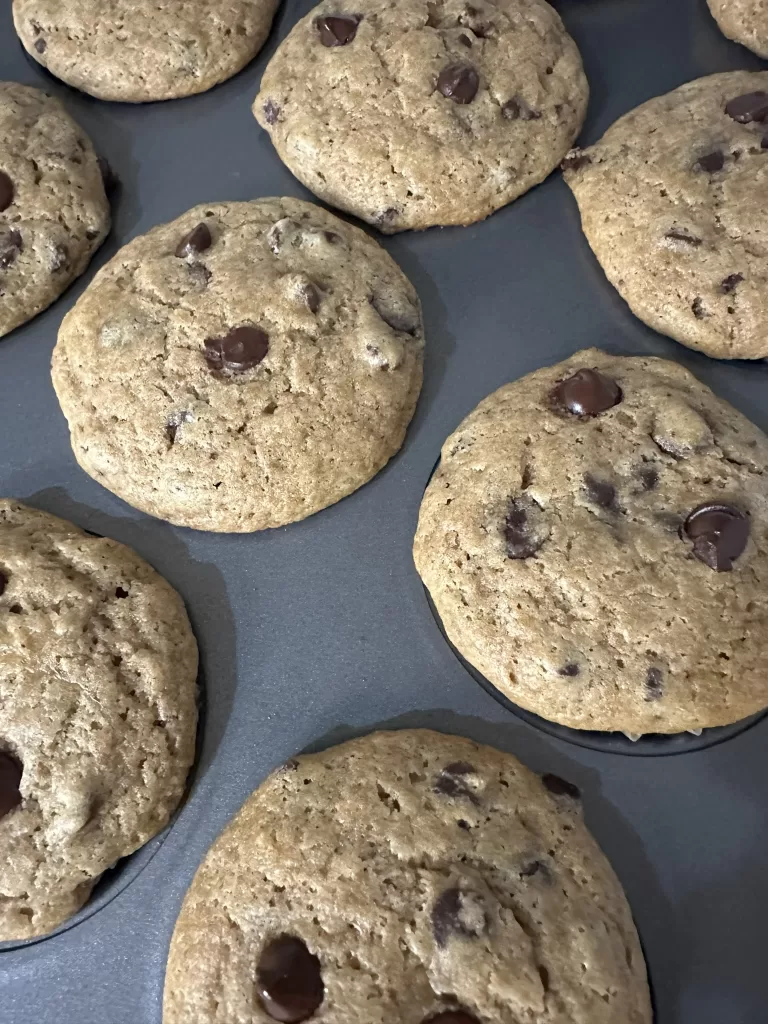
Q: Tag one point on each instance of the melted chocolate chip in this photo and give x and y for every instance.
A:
(587, 393)
(457, 913)
(120, 592)
(520, 534)
(387, 216)
(654, 687)
(730, 282)
(11, 245)
(311, 295)
(752, 106)
(575, 160)
(289, 981)
(680, 235)
(11, 770)
(108, 176)
(3, 583)
(398, 320)
(243, 348)
(517, 109)
(7, 191)
(40, 45)
(601, 492)
(458, 82)
(719, 534)
(450, 781)
(337, 29)
(570, 669)
(197, 241)
(271, 112)
(698, 308)
(451, 1017)
(465, 40)
(559, 787)
(711, 162)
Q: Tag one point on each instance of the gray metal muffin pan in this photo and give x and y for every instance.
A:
(320, 631)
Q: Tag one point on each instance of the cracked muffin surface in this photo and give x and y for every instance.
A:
(595, 541)
(141, 50)
(241, 367)
(98, 713)
(406, 877)
(671, 202)
(54, 212)
(409, 113)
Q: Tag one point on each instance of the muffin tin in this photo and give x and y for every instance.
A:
(320, 631)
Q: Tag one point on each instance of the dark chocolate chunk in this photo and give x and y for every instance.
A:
(711, 162)
(337, 29)
(311, 295)
(457, 913)
(108, 176)
(522, 537)
(243, 348)
(458, 82)
(517, 109)
(680, 235)
(3, 583)
(752, 106)
(536, 867)
(649, 477)
(719, 534)
(654, 687)
(386, 216)
(730, 282)
(465, 40)
(271, 112)
(451, 782)
(560, 787)
(197, 241)
(11, 770)
(119, 592)
(40, 45)
(601, 492)
(587, 393)
(11, 245)
(7, 191)
(698, 308)
(406, 321)
(570, 670)
(289, 981)
(452, 1017)
(575, 160)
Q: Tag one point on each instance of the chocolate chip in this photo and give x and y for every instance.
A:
(331, 237)
(536, 867)
(197, 241)
(458, 82)
(451, 782)
(570, 669)
(517, 109)
(40, 45)
(649, 477)
(465, 40)
(523, 535)
(289, 981)
(271, 112)
(752, 106)
(119, 592)
(729, 283)
(3, 583)
(681, 235)
(59, 257)
(11, 770)
(587, 393)
(559, 787)
(575, 160)
(457, 913)
(11, 245)
(464, 824)
(337, 29)
(387, 216)
(243, 348)
(698, 308)
(711, 162)
(311, 296)
(7, 191)
(404, 320)
(764, 142)
(654, 688)
(451, 1017)
(108, 176)
(601, 492)
(719, 534)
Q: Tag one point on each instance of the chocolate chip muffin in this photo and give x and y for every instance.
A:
(595, 541)
(97, 713)
(141, 50)
(54, 212)
(410, 113)
(407, 876)
(744, 21)
(242, 367)
(671, 201)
